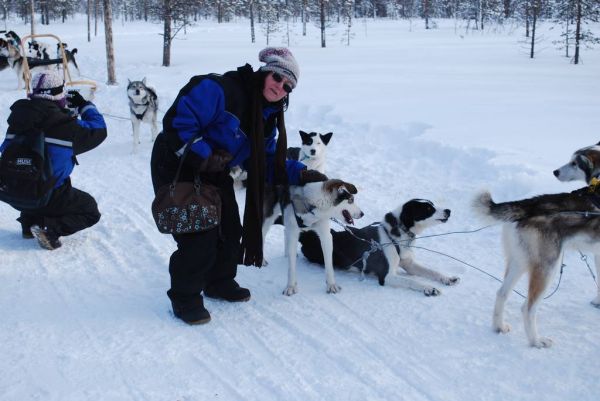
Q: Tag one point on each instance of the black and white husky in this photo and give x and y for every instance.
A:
(536, 232)
(143, 107)
(313, 150)
(310, 207)
(312, 154)
(69, 55)
(396, 232)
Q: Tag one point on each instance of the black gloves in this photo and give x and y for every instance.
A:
(75, 100)
(307, 176)
(216, 162)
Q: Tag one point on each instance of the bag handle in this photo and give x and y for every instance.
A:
(188, 146)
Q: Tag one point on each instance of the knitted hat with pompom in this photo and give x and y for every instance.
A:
(282, 61)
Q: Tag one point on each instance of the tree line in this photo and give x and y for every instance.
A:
(572, 17)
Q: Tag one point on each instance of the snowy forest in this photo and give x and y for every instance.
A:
(266, 17)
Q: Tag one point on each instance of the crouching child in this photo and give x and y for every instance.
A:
(37, 158)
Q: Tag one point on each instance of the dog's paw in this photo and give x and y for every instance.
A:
(333, 288)
(290, 290)
(451, 280)
(431, 292)
(542, 342)
(265, 263)
(502, 328)
(596, 302)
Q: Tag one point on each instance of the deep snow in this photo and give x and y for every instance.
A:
(430, 114)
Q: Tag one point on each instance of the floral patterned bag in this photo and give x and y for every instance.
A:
(186, 207)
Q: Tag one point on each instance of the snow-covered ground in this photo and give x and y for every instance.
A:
(432, 114)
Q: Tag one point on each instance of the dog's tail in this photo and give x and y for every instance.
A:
(506, 211)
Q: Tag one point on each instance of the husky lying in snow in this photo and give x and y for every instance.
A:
(397, 229)
(309, 208)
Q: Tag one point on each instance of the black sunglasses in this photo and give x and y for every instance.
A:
(278, 78)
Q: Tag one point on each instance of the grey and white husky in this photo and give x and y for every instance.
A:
(536, 232)
(143, 107)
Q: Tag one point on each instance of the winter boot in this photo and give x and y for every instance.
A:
(46, 237)
(192, 314)
(26, 232)
(228, 290)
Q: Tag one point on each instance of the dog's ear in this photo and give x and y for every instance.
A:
(73, 51)
(391, 220)
(326, 137)
(351, 188)
(584, 163)
(128, 81)
(144, 81)
(306, 138)
(598, 143)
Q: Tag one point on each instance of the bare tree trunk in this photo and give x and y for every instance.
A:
(110, 53)
(32, 12)
(304, 16)
(167, 34)
(95, 17)
(322, 23)
(533, 26)
(252, 35)
(426, 13)
(527, 12)
(506, 8)
(89, 17)
(577, 32)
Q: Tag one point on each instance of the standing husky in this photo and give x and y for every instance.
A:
(310, 207)
(143, 107)
(537, 231)
(312, 152)
(583, 166)
(14, 59)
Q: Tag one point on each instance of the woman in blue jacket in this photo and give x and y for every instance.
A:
(69, 209)
(235, 118)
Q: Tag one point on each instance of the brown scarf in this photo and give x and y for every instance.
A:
(252, 246)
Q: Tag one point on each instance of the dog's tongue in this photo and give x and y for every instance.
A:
(347, 217)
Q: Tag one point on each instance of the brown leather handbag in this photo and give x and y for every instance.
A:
(186, 207)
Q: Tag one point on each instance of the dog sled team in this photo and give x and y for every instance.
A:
(230, 127)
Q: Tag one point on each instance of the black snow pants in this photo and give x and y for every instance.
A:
(209, 257)
(68, 211)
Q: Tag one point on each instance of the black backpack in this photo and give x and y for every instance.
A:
(26, 175)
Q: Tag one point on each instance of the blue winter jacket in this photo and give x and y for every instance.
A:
(66, 136)
(217, 107)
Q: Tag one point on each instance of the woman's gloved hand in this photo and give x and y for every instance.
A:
(216, 162)
(75, 100)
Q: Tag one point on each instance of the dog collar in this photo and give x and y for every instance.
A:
(402, 227)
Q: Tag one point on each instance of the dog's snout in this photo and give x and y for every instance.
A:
(312, 152)
(556, 173)
(137, 91)
(447, 212)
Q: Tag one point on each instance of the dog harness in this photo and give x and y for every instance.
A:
(141, 116)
